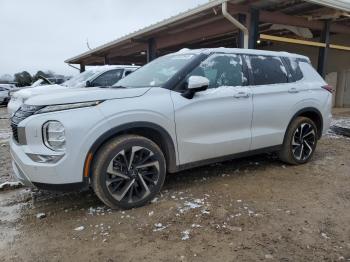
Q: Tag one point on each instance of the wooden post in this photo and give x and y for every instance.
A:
(82, 68)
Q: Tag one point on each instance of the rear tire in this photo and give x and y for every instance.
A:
(128, 172)
(300, 141)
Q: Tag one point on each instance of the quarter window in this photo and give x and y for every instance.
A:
(294, 68)
(267, 70)
(222, 70)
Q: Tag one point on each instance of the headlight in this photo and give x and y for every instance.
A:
(54, 135)
(53, 108)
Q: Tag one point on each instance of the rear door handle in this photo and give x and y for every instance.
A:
(293, 90)
(241, 95)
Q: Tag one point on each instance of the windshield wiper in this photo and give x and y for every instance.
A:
(119, 87)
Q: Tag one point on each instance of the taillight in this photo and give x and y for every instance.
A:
(328, 88)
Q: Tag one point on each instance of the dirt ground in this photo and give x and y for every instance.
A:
(247, 209)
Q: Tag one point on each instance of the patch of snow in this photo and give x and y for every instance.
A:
(159, 227)
(81, 228)
(324, 235)
(185, 235)
(151, 213)
(10, 184)
(40, 215)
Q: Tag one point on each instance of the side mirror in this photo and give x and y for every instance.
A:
(89, 84)
(195, 84)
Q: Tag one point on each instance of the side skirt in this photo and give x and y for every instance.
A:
(228, 157)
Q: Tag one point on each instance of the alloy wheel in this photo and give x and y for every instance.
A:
(132, 174)
(303, 141)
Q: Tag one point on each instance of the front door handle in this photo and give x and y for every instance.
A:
(293, 90)
(241, 95)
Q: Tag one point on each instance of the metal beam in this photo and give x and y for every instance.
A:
(107, 60)
(253, 28)
(240, 39)
(323, 51)
(151, 50)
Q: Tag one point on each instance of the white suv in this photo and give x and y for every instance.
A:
(93, 77)
(182, 110)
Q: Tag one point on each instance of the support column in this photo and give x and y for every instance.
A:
(107, 60)
(323, 51)
(340, 91)
(82, 68)
(240, 39)
(151, 50)
(253, 28)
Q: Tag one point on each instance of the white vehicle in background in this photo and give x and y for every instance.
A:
(93, 77)
(182, 110)
(4, 95)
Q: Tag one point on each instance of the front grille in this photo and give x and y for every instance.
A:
(21, 114)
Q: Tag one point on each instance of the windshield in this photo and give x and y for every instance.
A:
(156, 73)
(78, 79)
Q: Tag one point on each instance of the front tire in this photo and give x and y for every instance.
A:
(128, 172)
(300, 141)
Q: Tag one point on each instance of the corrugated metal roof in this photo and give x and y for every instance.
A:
(337, 4)
(150, 28)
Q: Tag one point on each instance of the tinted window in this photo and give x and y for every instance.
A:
(109, 78)
(268, 70)
(221, 70)
(294, 68)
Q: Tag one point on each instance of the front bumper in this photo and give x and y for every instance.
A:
(42, 175)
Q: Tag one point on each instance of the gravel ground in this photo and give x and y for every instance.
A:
(247, 209)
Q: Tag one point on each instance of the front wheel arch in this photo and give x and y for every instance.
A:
(149, 130)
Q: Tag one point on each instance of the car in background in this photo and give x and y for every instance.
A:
(99, 76)
(4, 95)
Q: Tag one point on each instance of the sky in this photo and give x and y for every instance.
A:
(41, 34)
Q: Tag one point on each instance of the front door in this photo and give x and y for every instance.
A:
(215, 122)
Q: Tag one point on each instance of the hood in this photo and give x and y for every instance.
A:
(78, 95)
(39, 90)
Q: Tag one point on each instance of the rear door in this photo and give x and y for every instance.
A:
(215, 122)
(275, 95)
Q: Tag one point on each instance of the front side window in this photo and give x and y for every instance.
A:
(157, 72)
(222, 70)
(108, 78)
(267, 70)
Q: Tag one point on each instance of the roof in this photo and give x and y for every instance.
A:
(204, 26)
(239, 51)
(343, 5)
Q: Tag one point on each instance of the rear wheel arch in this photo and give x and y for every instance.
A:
(312, 113)
(149, 130)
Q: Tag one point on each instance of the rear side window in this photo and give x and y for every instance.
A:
(267, 70)
(294, 68)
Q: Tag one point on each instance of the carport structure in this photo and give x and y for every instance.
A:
(234, 23)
